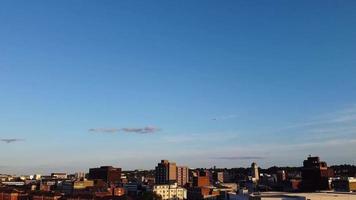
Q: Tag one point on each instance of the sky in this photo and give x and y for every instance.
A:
(203, 83)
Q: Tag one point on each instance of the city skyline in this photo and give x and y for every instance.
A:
(203, 83)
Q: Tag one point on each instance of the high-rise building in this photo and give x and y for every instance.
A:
(182, 175)
(108, 174)
(315, 174)
(254, 172)
(166, 172)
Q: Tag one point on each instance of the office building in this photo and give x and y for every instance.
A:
(166, 172)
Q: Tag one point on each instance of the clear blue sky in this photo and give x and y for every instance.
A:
(203, 83)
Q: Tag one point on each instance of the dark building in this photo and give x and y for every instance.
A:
(108, 174)
(315, 175)
(166, 172)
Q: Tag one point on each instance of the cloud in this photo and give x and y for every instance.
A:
(239, 158)
(144, 130)
(104, 130)
(147, 129)
(225, 117)
(11, 140)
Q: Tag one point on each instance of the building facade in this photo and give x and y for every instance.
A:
(166, 172)
(170, 192)
(182, 175)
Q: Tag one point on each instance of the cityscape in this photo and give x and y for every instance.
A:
(177, 100)
(170, 181)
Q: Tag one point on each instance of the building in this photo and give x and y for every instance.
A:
(108, 174)
(59, 175)
(315, 175)
(9, 194)
(281, 175)
(166, 172)
(345, 184)
(170, 191)
(255, 173)
(182, 175)
(202, 179)
(218, 177)
(81, 185)
(79, 175)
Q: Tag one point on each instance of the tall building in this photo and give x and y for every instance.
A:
(315, 175)
(108, 174)
(182, 175)
(254, 172)
(166, 172)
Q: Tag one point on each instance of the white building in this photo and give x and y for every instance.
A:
(170, 192)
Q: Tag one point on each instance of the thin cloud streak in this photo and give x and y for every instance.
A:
(144, 130)
(104, 130)
(11, 140)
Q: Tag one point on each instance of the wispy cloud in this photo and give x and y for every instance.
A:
(104, 130)
(11, 140)
(147, 129)
(224, 117)
(143, 130)
(334, 124)
(239, 158)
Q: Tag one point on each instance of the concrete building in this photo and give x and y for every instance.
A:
(170, 192)
(182, 175)
(166, 172)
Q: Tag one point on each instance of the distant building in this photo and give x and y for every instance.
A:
(83, 184)
(255, 173)
(79, 175)
(37, 176)
(315, 175)
(345, 184)
(281, 175)
(166, 172)
(202, 179)
(218, 177)
(170, 192)
(59, 175)
(108, 174)
(182, 175)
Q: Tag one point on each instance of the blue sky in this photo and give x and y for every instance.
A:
(203, 83)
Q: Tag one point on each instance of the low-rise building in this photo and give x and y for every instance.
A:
(345, 184)
(170, 192)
